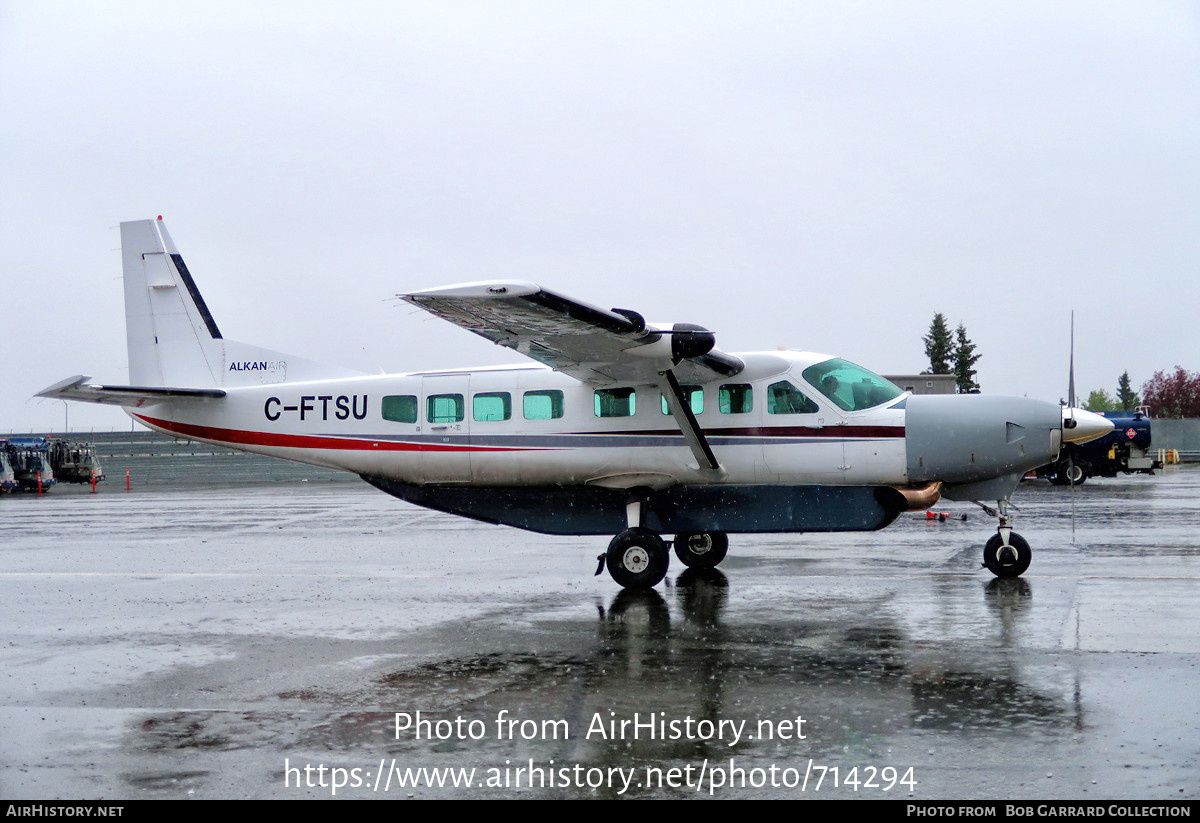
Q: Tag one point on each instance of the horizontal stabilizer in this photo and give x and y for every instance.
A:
(77, 388)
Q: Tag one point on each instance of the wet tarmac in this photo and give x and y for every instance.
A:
(258, 641)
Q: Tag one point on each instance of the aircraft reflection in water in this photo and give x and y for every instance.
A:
(623, 426)
(861, 684)
(901, 685)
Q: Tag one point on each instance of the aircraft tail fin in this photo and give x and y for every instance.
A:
(172, 336)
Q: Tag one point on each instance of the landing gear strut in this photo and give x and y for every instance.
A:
(1006, 554)
(637, 558)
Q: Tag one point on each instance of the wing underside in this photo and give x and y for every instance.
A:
(594, 345)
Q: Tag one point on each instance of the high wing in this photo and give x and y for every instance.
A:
(593, 345)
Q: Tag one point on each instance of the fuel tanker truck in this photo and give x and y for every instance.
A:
(1125, 449)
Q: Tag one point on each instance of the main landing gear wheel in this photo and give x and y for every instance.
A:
(1007, 561)
(702, 550)
(637, 559)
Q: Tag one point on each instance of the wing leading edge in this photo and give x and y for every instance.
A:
(594, 345)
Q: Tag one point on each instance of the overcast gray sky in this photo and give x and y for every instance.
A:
(813, 175)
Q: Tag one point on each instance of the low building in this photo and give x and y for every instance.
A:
(925, 383)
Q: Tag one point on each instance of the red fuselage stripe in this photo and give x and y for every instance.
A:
(308, 441)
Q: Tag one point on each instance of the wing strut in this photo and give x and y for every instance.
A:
(681, 410)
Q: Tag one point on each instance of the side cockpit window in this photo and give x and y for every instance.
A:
(784, 398)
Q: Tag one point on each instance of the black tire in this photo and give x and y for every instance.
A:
(1012, 561)
(637, 559)
(1076, 474)
(701, 550)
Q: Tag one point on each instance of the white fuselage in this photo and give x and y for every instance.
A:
(529, 425)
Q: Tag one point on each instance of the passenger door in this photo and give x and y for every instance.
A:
(445, 417)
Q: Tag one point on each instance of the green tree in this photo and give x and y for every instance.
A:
(939, 346)
(1127, 398)
(1100, 400)
(965, 359)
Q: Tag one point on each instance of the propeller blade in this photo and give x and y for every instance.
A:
(1071, 373)
(1071, 406)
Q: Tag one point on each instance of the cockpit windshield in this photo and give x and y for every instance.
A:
(850, 387)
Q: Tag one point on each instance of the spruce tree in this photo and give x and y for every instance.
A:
(1127, 398)
(939, 346)
(965, 359)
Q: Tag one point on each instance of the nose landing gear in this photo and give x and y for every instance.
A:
(1006, 554)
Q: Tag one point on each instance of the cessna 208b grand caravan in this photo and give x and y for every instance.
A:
(621, 426)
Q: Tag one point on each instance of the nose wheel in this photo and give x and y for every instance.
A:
(1007, 560)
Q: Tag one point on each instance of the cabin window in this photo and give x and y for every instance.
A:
(615, 403)
(735, 398)
(543, 405)
(695, 398)
(784, 398)
(400, 408)
(444, 408)
(851, 387)
(491, 406)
